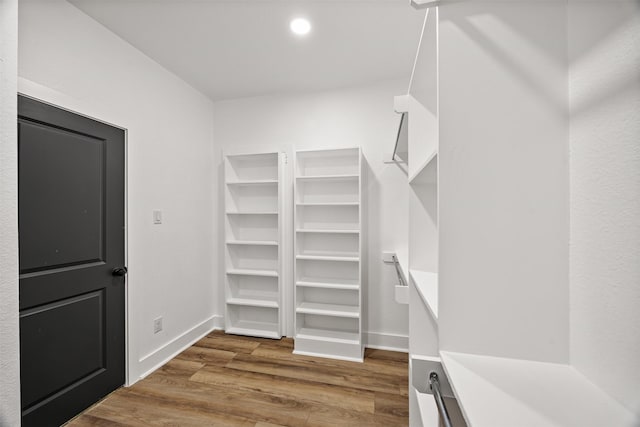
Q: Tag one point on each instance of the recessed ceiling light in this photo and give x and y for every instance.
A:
(300, 26)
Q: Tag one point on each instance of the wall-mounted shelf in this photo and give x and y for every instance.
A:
(427, 285)
(252, 231)
(499, 391)
(328, 248)
(254, 182)
(262, 273)
(302, 230)
(253, 242)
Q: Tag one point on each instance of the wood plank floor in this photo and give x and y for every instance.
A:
(227, 380)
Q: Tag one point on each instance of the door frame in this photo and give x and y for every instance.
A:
(56, 99)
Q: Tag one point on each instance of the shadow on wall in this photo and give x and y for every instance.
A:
(602, 35)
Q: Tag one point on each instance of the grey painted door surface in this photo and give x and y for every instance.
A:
(71, 224)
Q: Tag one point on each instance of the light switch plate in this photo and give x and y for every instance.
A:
(157, 217)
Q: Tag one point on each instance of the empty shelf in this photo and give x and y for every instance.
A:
(329, 335)
(253, 302)
(328, 258)
(253, 182)
(246, 272)
(320, 230)
(495, 391)
(253, 242)
(255, 329)
(328, 284)
(427, 286)
(334, 310)
(327, 177)
(328, 204)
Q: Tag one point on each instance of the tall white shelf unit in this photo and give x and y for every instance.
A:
(328, 253)
(253, 211)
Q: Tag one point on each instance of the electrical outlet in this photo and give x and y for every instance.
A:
(157, 325)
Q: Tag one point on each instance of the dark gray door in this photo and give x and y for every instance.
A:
(71, 223)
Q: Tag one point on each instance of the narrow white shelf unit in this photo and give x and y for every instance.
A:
(328, 253)
(253, 203)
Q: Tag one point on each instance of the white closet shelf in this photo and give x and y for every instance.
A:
(425, 170)
(254, 329)
(253, 242)
(328, 258)
(266, 154)
(427, 286)
(253, 213)
(320, 230)
(310, 283)
(254, 182)
(495, 391)
(334, 310)
(252, 302)
(246, 272)
(346, 177)
(343, 337)
(428, 410)
(328, 204)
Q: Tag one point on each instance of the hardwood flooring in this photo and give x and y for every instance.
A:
(227, 380)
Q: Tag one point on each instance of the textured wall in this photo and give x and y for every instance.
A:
(9, 344)
(604, 50)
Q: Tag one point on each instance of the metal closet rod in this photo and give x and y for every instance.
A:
(396, 264)
(395, 148)
(434, 384)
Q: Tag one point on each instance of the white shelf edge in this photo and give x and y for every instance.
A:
(328, 336)
(332, 310)
(324, 285)
(324, 150)
(328, 258)
(429, 415)
(432, 156)
(319, 230)
(266, 153)
(252, 242)
(501, 391)
(254, 182)
(328, 177)
(427, 286)
(245, 272)
(250, 302)
(238, 330)
(329, 204)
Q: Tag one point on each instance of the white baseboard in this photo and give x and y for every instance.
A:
(218, 322)
(382, 341)
(159, 357)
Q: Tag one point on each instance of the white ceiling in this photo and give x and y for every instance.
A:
(238, 48)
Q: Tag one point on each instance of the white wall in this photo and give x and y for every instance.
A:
(66, 58)
(604, 52)
(359, 116)
(503, 180)
(9, 338)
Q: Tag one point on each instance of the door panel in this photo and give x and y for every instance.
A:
(71, 223)
(62, 199)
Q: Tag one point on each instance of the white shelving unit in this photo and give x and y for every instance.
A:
(328, 253)
(253, 205)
